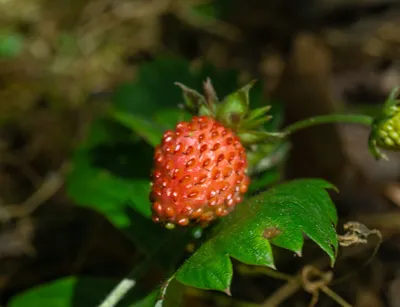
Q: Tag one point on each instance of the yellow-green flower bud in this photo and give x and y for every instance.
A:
(385, 133)
(388, 136)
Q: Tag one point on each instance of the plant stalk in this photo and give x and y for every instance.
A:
(118, 292)
(328, 119)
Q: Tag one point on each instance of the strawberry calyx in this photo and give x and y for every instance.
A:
(233, 112)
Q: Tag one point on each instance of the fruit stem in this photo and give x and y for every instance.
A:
(328, 119)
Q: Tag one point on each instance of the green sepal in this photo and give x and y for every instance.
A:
(374, 149)
(193, 99)
(253, 137)
(255, 119)
(205, 111)
(210, 94)
(234, 108)
(257, 113)
(391, 104)
(253, 124)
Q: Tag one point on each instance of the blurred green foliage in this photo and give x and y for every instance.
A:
(111, 171)
(72, 291)
(11, 44)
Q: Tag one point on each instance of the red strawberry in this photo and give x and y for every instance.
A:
(199, 173)
(200, 168)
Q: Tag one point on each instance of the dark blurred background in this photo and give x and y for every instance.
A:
(61, 61)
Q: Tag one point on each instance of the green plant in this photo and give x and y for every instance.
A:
(111, 174)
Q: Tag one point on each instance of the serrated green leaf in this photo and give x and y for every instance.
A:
(170, 294)
(293, 209)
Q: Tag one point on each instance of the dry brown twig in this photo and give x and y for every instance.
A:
(23, 166)
(20, 237)
(357, 233)
(47, 189)
(312, 278)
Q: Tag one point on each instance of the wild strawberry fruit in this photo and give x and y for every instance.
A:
(200, 168)
(199, 173)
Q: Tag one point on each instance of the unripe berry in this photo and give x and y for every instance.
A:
(388, 133)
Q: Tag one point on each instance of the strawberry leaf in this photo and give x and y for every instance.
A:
(280, 216)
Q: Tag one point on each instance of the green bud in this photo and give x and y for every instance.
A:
(385, 132)
(388, 136)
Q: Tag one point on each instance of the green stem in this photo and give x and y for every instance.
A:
(118, 292)
(335, 297)
(125, 285)
(328, 119)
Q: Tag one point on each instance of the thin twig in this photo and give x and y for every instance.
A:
(259, 270)
(23, 166)
(334, 296)
(283, 293)
(358, 233)
(295, 283)
(222, 300)
(49, 187)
